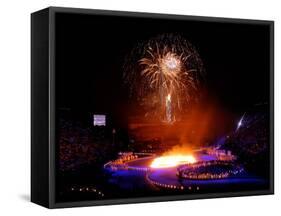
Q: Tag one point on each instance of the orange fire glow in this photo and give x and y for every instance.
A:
(172, 161)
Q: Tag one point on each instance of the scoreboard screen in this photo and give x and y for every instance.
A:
(99, 120)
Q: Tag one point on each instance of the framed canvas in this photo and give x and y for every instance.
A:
(139, 107)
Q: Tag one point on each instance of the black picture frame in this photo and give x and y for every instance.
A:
(43, 114)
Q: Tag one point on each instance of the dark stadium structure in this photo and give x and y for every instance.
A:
(98, 168)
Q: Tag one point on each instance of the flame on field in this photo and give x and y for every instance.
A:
(172, 161)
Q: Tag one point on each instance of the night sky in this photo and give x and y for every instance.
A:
(91, 49)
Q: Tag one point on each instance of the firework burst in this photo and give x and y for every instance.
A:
(167, 65)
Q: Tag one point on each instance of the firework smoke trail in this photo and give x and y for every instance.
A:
(165, 65)
(169, 115)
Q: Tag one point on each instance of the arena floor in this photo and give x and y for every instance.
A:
(167, 178)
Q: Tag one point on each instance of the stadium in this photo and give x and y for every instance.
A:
(161, 126)
(210, 169)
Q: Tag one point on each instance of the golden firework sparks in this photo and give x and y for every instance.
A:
(167, 64)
